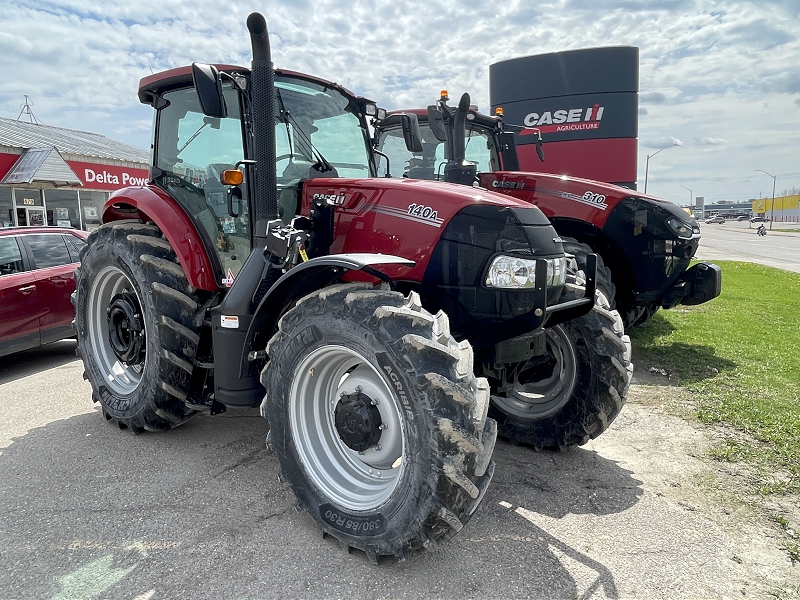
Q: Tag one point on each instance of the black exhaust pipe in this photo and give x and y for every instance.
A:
(458, 170)
(459, 123)
(262, 79)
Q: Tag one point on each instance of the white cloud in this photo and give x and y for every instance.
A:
(708, 71)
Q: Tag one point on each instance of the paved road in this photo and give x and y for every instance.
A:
(735, 241)
(88, 511)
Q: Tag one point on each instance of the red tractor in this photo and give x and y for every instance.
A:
(265, 264)
(645, 244)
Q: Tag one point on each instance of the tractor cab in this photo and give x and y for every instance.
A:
(320, 131)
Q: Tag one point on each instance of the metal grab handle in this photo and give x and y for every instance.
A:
(27, 289)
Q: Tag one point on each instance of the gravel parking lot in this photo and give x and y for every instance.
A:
(89, 511)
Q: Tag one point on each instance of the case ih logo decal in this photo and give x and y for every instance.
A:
(560, 121)
(509, 185)
(590, 198)
(418, 213)
(333, 199)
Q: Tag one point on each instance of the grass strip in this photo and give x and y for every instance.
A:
(740, 355)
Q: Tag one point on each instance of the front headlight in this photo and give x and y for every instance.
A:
(680, 228)
(511, 272)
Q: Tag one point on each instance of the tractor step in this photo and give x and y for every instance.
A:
(205, 404)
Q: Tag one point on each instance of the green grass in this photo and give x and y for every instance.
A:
(740, 356)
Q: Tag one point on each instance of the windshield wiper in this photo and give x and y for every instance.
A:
(321, 164)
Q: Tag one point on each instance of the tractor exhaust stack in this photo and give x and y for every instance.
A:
(263, 98)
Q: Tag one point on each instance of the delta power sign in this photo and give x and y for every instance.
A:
(108, 177)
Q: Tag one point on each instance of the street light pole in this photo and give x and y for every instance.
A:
(772, 208)
(647, 162)
(691, 197)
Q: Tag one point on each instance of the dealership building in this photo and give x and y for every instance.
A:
(55, 176)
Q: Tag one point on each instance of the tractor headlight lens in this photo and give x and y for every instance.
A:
(511, 272)
(680, 228)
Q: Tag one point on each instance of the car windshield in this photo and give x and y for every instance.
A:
(316, 122)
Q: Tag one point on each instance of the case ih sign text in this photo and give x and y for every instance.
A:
(108, 177)
(575, 119)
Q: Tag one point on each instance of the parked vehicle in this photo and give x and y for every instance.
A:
(36, 282)
(715, 219)
(345, 305)
(645, 243)
(742, 218)
(758, 220)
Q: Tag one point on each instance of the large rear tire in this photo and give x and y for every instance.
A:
(574, 392)
(377, 419)
(137, 321)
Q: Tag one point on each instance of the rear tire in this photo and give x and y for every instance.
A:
(137, 321)
(377, 419)
(574, 392)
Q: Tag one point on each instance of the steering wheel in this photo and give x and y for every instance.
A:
(285, 156)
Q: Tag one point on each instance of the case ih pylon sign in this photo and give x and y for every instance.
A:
(584, 102)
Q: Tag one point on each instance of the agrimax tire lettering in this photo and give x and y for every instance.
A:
(398, 385)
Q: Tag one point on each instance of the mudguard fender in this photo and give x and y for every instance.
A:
(155, 205)
(304, 279)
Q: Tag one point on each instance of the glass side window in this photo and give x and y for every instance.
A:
(478, 150)
(74, 243)
(192, 151)
(49, 250)
(10, 256)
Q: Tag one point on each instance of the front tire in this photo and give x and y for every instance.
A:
(137, 321)
(572, 393)
(377, 419)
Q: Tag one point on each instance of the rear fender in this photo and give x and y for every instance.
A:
(151, 204)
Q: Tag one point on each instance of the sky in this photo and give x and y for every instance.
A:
(720, 78)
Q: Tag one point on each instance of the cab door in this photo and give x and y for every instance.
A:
(19, 299)
(55, 283)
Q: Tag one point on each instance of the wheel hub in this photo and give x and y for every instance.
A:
(358, 421)
(126, 332)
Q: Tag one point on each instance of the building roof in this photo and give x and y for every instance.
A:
(41, 165)
(24, 135)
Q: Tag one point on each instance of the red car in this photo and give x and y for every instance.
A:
(36, 281)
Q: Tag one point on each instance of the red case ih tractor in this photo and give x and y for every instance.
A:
(345, 305)
(645, 244)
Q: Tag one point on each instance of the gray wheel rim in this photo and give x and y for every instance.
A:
(120, 378)
(355, 480)
(538, 399)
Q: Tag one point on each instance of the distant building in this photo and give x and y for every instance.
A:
(785, 210)
(55, 176)
(726, 209)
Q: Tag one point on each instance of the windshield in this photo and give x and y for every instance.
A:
(429, 164)
(316, 122)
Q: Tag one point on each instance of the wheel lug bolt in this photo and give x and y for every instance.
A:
(358, 389)
(375, 402)
(378, 447)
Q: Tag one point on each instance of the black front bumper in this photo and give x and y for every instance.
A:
(700, 283)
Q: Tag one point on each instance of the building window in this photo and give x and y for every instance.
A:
(62, 208)
(6, 207)
(92, 209)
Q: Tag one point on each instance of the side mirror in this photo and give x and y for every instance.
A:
(208, 84)
(508, 151)
(436, 123)
(411, 132)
